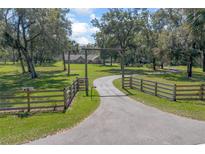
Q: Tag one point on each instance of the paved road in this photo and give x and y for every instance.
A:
(121, 120)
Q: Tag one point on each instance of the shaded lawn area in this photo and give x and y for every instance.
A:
(190, 109)
(16, 130)
(178, 78)
(49, 77)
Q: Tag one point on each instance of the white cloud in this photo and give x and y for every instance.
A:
(94, 29)
(81, 30)
(82, 27)
(79, 27)
(83, 11)
(71, 17)
(92, 16)
(82, 40)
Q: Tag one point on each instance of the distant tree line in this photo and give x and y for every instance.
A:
(164, 36)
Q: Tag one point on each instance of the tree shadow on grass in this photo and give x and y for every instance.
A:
(108, 66)
(128, 91)
(181, 77)
(22, 115)
(127, 71)
(51, 64)
(45, 80)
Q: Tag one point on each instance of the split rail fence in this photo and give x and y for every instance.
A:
(28, 99)
(172, 92)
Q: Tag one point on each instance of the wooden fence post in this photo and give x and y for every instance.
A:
(131, 81)
(155, 89)
(87, 86)
(174, 92)
(141, 84)
(201, 91)
(75, 87)
(28, 99)
(77, 83)
(65, 98)
(122, 80)
(70, 92)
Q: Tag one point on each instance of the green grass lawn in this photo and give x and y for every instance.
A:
(178, 78)
(16, 130)
(191, 109)
(50, 77)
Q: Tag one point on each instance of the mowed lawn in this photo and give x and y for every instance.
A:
(16, 130)
(187, 108)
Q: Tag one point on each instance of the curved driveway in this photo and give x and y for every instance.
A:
(121, 120)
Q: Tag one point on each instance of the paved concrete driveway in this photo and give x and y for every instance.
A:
(121, 120)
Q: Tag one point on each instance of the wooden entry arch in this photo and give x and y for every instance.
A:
(121, 51)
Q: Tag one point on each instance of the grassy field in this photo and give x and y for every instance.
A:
(178, 78)
(191, 109)
(16, 130)
(50, 77)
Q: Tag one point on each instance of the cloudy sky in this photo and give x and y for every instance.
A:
(82, 29)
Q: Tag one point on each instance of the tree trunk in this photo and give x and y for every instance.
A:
(64, 64)
(32, 68)
(111, 61)
(21, 61)
(103, 61)
(154, 64)
(18, 45)
(203, 61)
(162, 65)
(189, 67)
(13, 56)
(30, 64)
(68, 63)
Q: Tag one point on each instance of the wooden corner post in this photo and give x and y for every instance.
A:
(141, 84)
(131, 81)
(174, 92)
(77, 80)
(201, 91)
(28, 99)
(65, 98)
(155, 89)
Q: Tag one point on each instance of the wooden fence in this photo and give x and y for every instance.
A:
(27, 100)
(190, 92)
(169, 91)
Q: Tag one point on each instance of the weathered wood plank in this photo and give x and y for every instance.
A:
(195, 94)
(164, 88)
(159, 91)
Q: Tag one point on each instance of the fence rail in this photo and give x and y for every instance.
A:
(27, 99)
(169, 91)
